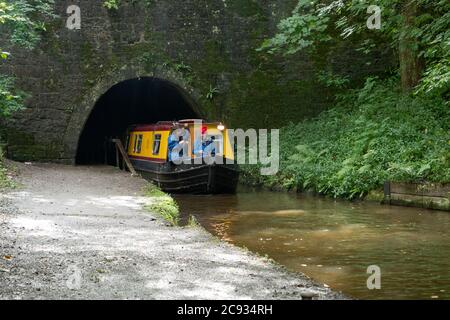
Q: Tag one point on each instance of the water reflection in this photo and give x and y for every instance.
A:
(335, 241)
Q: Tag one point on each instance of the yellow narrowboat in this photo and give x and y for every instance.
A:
(188, 156)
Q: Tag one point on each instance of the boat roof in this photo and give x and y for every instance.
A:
(191, 121)
(153, 127)
(166, 125)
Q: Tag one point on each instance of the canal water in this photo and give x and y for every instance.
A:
(334, 242)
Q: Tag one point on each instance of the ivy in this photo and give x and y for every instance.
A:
(10, 99)
(24, 21)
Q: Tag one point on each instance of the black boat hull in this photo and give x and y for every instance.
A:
(194, 179)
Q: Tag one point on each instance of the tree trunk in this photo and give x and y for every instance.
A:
(411, 66)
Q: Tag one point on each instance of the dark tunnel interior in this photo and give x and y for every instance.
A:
(136, 101)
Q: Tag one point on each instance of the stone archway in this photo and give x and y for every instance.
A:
(81, 113)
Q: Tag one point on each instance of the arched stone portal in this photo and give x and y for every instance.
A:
(134, 101)
(205, 48)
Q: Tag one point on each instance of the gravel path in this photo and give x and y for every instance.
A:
(81, 233)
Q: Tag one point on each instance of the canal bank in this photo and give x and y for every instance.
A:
(82, 233)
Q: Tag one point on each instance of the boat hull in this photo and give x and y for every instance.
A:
(194, 179)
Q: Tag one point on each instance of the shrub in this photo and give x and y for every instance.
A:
(372, 135)
(163, 204)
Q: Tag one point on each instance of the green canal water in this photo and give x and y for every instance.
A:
(334, 242)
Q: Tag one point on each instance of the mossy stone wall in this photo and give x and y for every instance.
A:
(203, 47)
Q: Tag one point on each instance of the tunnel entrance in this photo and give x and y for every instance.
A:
(136, 101)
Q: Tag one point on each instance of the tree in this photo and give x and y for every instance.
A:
(419, 30)
(411, 65)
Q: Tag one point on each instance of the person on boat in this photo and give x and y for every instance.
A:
(204, 145)
(178, 139)
(173, 142)
(209, 146)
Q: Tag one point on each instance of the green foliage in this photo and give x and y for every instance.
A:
(436, 79)
(162, 204)
(166, 208)
(434, 34)
(115, 4)
(23, 21)
(111, 4)
(4, 55)
(315, 22)
(331, 80)
(153, 191)
(10, 100)
(182, 67)
(213, 91)
(373, 135)
(193, 222)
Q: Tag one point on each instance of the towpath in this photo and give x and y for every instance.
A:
(82, 233)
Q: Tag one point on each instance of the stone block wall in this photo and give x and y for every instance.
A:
(200, 45)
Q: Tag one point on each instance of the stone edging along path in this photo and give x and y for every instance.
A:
(82, 233)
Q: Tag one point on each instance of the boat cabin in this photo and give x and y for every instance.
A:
(177, 156)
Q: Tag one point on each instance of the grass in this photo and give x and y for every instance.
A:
(153, 191)
(162, 204)
(4, 181)
(193, 222)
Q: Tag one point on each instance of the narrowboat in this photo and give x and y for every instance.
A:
(188, 156)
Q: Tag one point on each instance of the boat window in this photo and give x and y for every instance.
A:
(138, 143)
(135, 139)
(156, 144)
